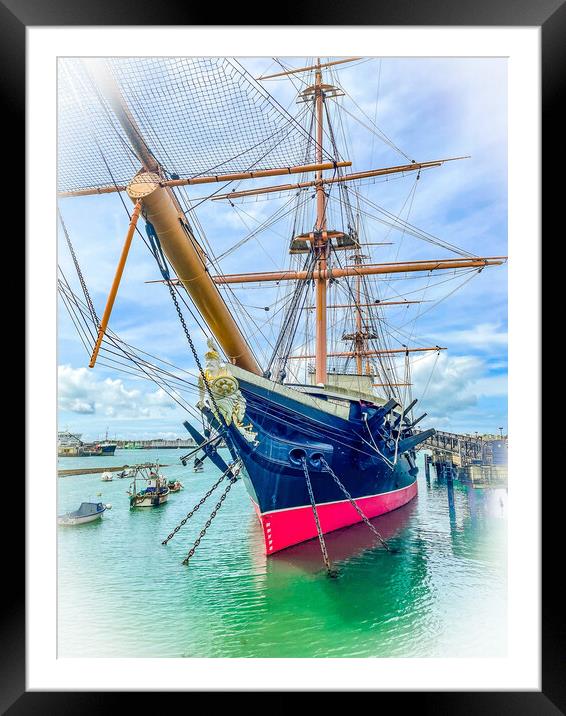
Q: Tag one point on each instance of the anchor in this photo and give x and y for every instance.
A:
(208, 446)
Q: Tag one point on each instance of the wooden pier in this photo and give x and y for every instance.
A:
(103, 468)
(155, 444)
(480, 458)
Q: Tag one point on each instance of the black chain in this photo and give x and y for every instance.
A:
(197, 506)
(160, 259)
(213, 514)
(331, 572)
(354, 503)
(224, 430)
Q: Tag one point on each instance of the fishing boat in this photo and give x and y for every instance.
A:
(87, 512)
(106, 446)
(149, 488)
(71, 445)
(318, 417)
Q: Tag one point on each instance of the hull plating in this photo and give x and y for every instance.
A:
(284, 528)
(286, 431)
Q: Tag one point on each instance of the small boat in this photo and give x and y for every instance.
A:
(175, 485)
(125, 473)
(156, 491)
(87, 512)
(198, 465)
(106, 477)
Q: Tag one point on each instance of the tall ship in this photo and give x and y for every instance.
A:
(314, 402)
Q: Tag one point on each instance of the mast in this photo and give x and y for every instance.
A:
(161, 209)
(153, 193)
(478, 262)
(320, 244)
(359, 341)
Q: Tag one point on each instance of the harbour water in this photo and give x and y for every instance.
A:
(122, 594)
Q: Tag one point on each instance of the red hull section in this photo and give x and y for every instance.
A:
(283, 528)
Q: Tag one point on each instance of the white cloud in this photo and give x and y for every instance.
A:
(81, 392)
(451, 385)
(482, 336)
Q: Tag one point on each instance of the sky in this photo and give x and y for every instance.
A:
(429, 108)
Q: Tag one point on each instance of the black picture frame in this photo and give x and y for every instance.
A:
(550, 15)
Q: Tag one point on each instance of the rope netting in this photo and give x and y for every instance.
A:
(197, 116)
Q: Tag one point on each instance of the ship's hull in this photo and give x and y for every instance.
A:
(288, 431)
(150, 499)
(67, 521)
(284, 528)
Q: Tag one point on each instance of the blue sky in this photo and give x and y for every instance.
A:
(430, 108)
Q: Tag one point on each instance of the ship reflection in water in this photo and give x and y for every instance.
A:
(442, 592)
(346, 543)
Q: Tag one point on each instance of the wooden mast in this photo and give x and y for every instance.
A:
(355, 176)
(150, 190)
(478, 262)
(234, 176)
(160, 207)
(321, 239)
(365, 270)
(114, 289)
(376, 352)
(358, 340)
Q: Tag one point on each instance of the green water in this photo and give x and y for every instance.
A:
(122, 594)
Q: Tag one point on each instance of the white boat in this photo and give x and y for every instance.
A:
(87, 512)
(106, 477)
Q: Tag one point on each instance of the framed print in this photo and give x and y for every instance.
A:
(274, 441)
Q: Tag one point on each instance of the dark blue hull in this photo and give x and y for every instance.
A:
(288, 431)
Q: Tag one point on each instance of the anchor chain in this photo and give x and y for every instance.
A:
(233, 479)
(329, 569)
(353, 503)
(194, 351)
(157, 252)
(197, 506)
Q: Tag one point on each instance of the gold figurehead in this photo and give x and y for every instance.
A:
(226, 391)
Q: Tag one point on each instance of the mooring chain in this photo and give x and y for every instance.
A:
(156, 247)
(197, 360)
(233, 479)
(331, 572)
(195, 509)
(354, 504)
(197, 506)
